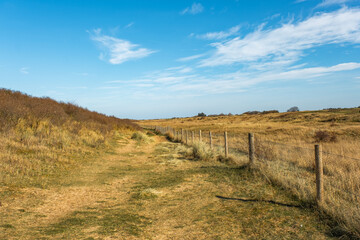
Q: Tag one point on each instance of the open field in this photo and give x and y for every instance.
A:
(284, 147)
(69, 173)
(148, 188)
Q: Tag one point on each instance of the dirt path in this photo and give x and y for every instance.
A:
(151, 191)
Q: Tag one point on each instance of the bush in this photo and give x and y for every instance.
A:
(270, 111)
(252, 112)
(201, 114)
(293, 109)
(324, 136)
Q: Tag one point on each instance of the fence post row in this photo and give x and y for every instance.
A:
(319, 174)
(185, 139)
(251, 149)
(226, 145)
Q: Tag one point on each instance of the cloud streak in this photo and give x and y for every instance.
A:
(177, 83)
(326, 3)
(24, 70)
(193, 57)
(220, 35)
(195, 8)
(117, 51)
(288, 42)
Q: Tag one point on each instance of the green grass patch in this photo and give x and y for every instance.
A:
(106, 222)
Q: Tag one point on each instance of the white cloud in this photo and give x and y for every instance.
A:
(119, 50)
(185, 59)
(220, 35)
(24, 70)
(300, 1)
(171, 80)
(287, 43)
(194, 9)
(129, 25)
(326, 3)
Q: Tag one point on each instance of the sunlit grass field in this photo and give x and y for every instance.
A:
(40, 138)
(284, 149)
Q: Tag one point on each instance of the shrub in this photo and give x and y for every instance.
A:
(293, 109)
(252, 112)
(270, 111)
(201, 114)
(324, 136)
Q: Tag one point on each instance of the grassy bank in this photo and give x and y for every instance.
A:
(40, 138)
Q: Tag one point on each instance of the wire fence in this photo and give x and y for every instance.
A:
(293, 167)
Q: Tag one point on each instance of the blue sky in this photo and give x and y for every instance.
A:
(159, 59)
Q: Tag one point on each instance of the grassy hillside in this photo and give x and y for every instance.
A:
(284, 148)
(40, 137)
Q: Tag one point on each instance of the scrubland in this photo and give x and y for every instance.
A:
(284, 148)
(40, 138)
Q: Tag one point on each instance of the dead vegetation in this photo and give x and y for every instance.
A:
(40, 137)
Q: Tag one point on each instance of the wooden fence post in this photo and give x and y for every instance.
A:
(210, 137)
(226, 145)
(200, 136)
(182, 135)
(192, 136)
(251, 149)
(319, 174)
(187, 136)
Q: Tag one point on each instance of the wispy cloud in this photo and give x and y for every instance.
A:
(194, 9)
(326, 3)
(24, 70)
(220, 35)
(300, 1)
(288, 42)
(193, 57)
(129, 25)
(116, 50)
(177, 83)
(84, 74)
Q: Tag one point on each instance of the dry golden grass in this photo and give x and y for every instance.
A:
(284, 144)
(39, 137)
(152, 191)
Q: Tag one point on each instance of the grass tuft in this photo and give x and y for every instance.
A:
(141, 137)
(202, 151)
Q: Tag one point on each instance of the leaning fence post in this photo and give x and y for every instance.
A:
(182, 135)
(199, 135)
(187, 136)
(251, 149)
(319, 174)
(226, 145)
(192, 137)
(210, 137)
